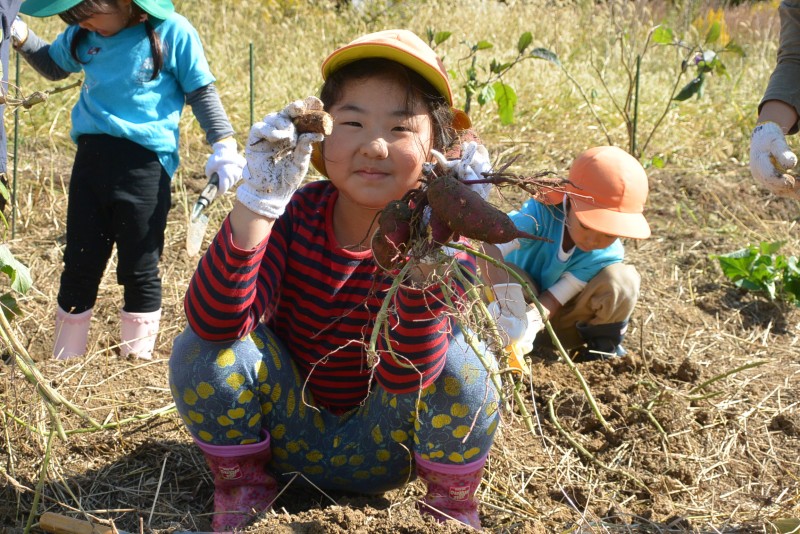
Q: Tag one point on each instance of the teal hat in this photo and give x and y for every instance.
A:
(160, 9)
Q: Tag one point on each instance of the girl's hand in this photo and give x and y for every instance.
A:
(226, 163)
(19, 33)
(473, 163)
(518, 322)
(277, 159)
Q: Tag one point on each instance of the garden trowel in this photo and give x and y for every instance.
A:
(198, 220)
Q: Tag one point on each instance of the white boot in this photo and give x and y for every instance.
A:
(72, 333)
(138, 333)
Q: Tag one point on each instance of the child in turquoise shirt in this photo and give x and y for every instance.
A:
(577, 270)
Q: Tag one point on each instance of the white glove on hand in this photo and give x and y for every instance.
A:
(518, 322)
(277, 159)
(474, 161)
(19, 32)
(507, 248)
(227, 163)
(770, 157)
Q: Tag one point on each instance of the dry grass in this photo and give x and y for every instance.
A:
(705, 410)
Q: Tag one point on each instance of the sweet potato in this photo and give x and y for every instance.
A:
(395, 223)
(441, 233)
(386, 255)
(390, 241)
(467, 214)
(314, 121)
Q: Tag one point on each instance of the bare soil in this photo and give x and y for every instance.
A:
(703, 413)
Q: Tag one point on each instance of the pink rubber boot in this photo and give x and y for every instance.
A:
(242, 486)
(451, 490)
(72, 333)
(138, 333)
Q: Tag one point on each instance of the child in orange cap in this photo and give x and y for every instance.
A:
(578, 273)
(272, 377)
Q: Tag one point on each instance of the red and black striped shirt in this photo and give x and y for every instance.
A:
(321, 301)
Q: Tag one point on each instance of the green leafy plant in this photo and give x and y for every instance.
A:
(485, 83)
(702, 58)
(760, 268)
(20, 281)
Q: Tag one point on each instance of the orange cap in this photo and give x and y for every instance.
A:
(608, 189)
(406, 48)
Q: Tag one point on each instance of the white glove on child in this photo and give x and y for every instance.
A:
(474, 161)
(519, 323)
(277, 159)
(227, 163)
(770, 157)
(19, 32)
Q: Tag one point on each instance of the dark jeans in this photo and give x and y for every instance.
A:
(119, 193)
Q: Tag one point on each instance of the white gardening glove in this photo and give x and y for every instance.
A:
(507, 248)
(770, 157)
(518, 322)
(227, 163)
(19, 32)
(277, 159)
(474, 161)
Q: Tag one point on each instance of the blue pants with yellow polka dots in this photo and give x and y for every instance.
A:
(227, 393)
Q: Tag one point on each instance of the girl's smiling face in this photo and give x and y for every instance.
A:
(380, 140)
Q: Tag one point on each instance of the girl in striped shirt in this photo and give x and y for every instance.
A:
(272, 376)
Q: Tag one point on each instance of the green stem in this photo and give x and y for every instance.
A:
(372, 353)
(729, 373)
(32, 374)
(40, 483)
(166, 410)
(556, 342)
(582, 450)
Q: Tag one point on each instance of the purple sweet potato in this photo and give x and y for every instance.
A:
(467, 214)
(395, 223)
(441, 233)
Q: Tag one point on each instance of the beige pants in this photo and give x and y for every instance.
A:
(609, 297)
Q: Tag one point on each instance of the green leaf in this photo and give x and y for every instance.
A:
(663, 35)
(735, 48)
(524, 42)
(506, 99)
(20, 275)
(9, 306)
(547, 55)
(768, 248)
(713, 33)
(734, 268)
(4, 192)
(483, 45)
(486, 95)
(658, 162)
(441, 37)
(690, 89)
